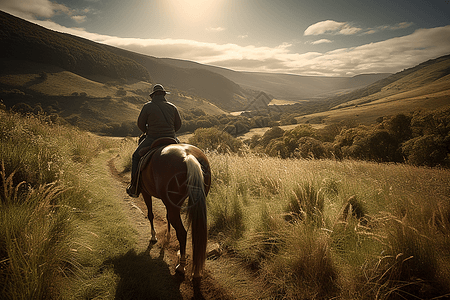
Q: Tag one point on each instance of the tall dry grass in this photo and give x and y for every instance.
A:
(35, 244)
(53, 229)
(320, 229)
(304, 229)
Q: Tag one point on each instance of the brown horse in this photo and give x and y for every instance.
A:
(174, 173)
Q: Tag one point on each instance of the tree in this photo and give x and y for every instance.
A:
(272, 133)
(428, 150)
(309, 147)
(277, 148)
(291, 138)
(214, 139)
(400, 127)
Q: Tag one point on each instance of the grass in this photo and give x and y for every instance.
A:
(285, 221)
(58, 222)
(291, 229)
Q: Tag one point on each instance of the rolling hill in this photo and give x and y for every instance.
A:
(226, 89)
(287, 86)
(95, 86)
(24, 41)
(422, 87)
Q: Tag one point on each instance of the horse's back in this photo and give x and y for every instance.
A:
(167, 170)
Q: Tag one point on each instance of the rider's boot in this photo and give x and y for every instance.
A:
(132, 189)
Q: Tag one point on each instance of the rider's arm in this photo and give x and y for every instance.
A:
(142, 119)
(177, 121)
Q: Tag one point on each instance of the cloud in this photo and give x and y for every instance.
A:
(321, 41)
(388, 56)
(401, 25)
(331, 27)
(79, 19)
(398, 26)
(29, 8)
(32, 9)
(391, 55)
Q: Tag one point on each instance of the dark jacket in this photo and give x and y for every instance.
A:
(159, 118)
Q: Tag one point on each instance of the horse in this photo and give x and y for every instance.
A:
(174, 173)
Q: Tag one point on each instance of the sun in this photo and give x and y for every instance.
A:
(194, 11)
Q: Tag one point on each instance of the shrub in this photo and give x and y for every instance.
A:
(309, 147)
(271, 134)
(277, 148)
(214, 139)
(428, 150)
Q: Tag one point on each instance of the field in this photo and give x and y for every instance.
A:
(323, 229)
(287, 229)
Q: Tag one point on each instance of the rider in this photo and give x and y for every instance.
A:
(158, 118)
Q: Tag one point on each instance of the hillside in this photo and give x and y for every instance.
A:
(24, 41)
(287, 86)
(102, 88)
(197, 82)
(422, 87)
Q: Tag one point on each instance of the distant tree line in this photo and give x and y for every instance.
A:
(421, 138)
(194, 119)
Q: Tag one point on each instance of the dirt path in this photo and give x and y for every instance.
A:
(158, 280)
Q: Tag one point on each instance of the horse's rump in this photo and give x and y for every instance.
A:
(165, 176)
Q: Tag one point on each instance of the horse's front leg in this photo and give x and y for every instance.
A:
(148, 202)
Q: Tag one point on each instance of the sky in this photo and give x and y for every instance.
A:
(313, 38)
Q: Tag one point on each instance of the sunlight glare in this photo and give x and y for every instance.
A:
(194, 11)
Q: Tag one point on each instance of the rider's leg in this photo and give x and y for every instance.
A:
(132, 188)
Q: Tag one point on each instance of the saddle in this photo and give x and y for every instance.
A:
(146, 154)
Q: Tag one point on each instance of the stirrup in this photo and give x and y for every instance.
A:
(131, 191)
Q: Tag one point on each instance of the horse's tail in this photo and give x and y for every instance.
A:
(197, 212)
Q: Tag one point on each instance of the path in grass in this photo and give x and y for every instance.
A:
(149, 271)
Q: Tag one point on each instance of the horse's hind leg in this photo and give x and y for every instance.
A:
(175, 220)
(148, 202)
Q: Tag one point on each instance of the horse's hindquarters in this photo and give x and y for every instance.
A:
(173, 174)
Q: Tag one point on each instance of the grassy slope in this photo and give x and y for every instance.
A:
(407, 209)
(57, 238)
(427, 88)
(106, 96)
(250, 199)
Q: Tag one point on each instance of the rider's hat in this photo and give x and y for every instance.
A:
(158, 88)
